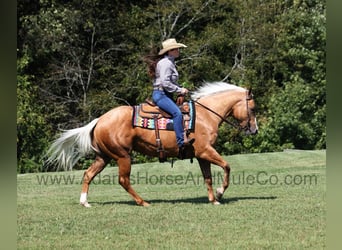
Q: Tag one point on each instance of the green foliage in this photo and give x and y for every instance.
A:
(78, 59)
(32, 129)
(292, 121)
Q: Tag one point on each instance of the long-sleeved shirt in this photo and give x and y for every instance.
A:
(167, 75)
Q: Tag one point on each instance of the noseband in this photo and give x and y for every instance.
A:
(235, 125)
(248, 124)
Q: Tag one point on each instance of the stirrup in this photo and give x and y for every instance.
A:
(181, 153)
(182, 149)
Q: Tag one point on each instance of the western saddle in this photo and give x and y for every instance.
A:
(151, 111)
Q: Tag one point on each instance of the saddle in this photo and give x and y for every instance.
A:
(149, 110)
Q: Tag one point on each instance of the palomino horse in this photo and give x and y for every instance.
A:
(112, 136)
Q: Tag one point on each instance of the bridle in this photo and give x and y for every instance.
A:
(235, 125)
(249, 96)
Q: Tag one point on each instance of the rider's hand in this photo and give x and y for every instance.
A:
(184, 91)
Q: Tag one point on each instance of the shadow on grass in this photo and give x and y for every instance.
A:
(195, 200)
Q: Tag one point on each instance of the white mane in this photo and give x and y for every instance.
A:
(214, 87)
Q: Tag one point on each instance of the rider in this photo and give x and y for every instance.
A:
(162, 69)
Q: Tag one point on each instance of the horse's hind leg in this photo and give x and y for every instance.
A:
(124, 180)
(206, 172)
(96, 167)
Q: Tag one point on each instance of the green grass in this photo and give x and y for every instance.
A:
(275, 201)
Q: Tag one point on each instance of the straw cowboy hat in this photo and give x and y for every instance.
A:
(170, 44)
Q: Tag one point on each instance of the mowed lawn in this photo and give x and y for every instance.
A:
(275, 201)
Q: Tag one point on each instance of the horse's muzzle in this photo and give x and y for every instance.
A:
(251, 131)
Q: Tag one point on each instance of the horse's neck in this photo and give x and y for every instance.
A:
(220, 103)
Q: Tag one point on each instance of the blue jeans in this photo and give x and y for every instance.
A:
(165, 102)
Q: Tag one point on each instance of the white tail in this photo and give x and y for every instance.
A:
(70, 147)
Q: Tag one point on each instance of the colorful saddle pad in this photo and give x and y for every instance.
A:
(163, 123)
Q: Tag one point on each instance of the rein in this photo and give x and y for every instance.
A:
(223, 118)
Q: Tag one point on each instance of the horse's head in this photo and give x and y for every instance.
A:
(244, 112)
(239, 104)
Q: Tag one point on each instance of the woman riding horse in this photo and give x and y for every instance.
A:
(112, 136)
(162, 69)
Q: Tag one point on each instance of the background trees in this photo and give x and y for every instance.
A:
(77, 59)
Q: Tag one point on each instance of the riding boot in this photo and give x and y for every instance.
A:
(182, 149)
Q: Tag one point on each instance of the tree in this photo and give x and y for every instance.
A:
(32, 129)
(84, 57)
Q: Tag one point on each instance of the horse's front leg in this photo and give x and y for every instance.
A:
(206, 172)
(124, 180)
(225, 183)
(212, 156)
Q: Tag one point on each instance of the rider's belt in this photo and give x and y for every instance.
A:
(158, 88)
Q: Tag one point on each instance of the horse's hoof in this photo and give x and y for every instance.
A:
(219, 193)
(85, 204)
(216, 202)
(145, 204)
(219, 196)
